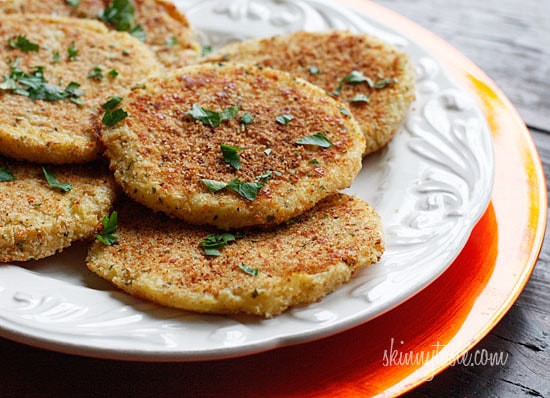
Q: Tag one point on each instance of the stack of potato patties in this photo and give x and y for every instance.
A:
(231, 167)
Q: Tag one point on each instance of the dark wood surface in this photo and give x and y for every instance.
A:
(510, 41)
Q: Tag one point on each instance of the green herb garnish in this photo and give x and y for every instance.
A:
(354, 77)
(360, 98)
(23, 44)
(107, 236)
(73, 52)
(268, 151)
(113, 73)
(246, 119)
(112, 116)
(344, 111)
(318, 139)
(248, 190)
(214, 186)
(125, 52)
(314, 70)
(384, 82)
(55, 57)
(96, 73)
(6, 175)
(206, 50)
(231, 155)
(284, 119)
(248, 270)
(213, 243)
(52, 182)
(73, 3)
(314, 161)
(138, 32)
(212, 118)
(171, 41)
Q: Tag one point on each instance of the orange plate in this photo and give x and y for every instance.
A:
(448, 317)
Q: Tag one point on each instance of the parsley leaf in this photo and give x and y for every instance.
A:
(284, 119)
(212, 118)
(55, 57)
(314, 70)
(248, 190)
(138, 32)
(268, 175)
(314, 161)
(268, 151)
(107, 236)
(23, 44)
(112, 116)
(231, 156)
(73, 3)
(113, 73)
(384, 82)
(214, 186)
(6, 175)
(212, 243)
(248, 270)
(354, 77)
(52, 182)
(171, 41)
(120, 13)
(73, 52)
(318, 139)
(344, 111)
(206, 50)
(246, 119)
(96, 73)
(360, 98)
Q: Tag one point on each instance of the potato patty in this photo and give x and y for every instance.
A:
(39, 119)
(167, 30)
(326, 59)
(262, 273)
(37, 220)
(168, 157)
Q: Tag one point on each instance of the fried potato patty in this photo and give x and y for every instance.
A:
(263, 273)
(167, 30)
(35, 124)
(325, 59)
(37, 220)
(165, 150)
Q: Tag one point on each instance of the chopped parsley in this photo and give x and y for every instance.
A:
(55, 57)
(23, 44)
(212, 118)
(384, 82)
(206, 50)
(96, 73)
(113, 73)
(268, 151)
(112, 115)
(73, 3)
(268, 175)
(248, 270)
(284, 119)
(213, 243)
(360, 98)
(6, 175)
(120, 14)
(344, 111)
(246, 119)
(171, 41)
(318, 139)
(314, 70)
(107, 236)
(53, 183)
(125, 53)
(354, 77)
(314, 161)
(231, 155)
(34, 86)
(214, 186)
(73, 52)
(247, 190)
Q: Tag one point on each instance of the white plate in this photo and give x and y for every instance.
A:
(430, 185)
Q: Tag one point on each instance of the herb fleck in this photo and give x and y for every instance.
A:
(268, 151)
(171, 41)
(113, 73)
(214, 186)
(73, 3)
(284, 119)
(112, 116)
(55, 57)
(360, 98)
(107, 236)
(231, 156)
(314, 161)
(206, 50)
(73, 52)
(212, 118)
(344, 111)
(314, 70)
(318, 139)
(96, 73)
(248, 270)
(52, 182)
(23, 44)
(213, 243)
(246, 119)
(354, 77)
(6, 175)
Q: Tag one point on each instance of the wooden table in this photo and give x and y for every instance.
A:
(510, 41)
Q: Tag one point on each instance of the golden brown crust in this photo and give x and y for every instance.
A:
(160, 19)
(160, 259)
(160, 154)
(61, 131)
(36, 220)
(336, 54)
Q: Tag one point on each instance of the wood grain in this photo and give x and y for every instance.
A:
(509, 41)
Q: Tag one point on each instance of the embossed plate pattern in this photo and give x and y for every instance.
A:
(430, 185)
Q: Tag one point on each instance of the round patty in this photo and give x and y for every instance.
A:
(167, 31)
(168, 157)
(39, 119)
(262, 273)
(37, 220)
(326, 59)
